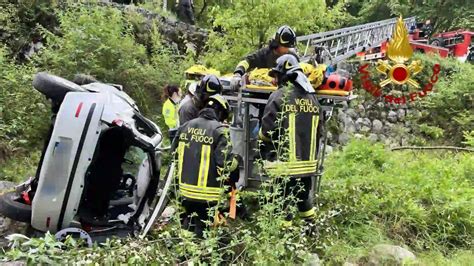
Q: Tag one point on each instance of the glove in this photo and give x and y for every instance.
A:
(235, 82)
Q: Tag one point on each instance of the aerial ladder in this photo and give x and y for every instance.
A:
(334, 46)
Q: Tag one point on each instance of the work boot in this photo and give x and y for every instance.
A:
(309, 218)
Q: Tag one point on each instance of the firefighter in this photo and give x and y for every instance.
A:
(290, 123)
(427, 28)
(172, 97)
(281, 43)
(204, 160)
(191, 90)
(208, 86)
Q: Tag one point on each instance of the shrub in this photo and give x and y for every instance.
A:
(450, 107)
(99, 41)
(23, 110)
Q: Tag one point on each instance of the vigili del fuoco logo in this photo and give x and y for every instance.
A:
(398, 70)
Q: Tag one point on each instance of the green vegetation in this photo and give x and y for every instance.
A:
(444, 15)
(19, 129)
(99, 41)
(244, 33)
(449, 109)
(94, 40)
(419, 200)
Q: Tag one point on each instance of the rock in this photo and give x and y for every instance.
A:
(349, 125)
(381, 105)
(358, 136)
(388, 127)
(352, 113)
(173, 31)
(4, 224)
(405, 141)
(377, 126)
(341, 116)
(350, 129)
(358, 123)
(168, 212)
(191, 47)
(387, 141)
(360, 109)
(382, 138)
(383, 115)
(392, 116)
(329, 149)
(373, 137)
(345, 106)
(366, 122)
(365, 129)
(401, 114)
(5, 185)
(329, 136)
(343, 138)
(382, 253)
(314, 260)
(372, 114)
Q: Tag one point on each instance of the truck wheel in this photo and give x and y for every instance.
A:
(13, 209)
(437, 42)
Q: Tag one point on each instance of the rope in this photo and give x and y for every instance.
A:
(432, 148)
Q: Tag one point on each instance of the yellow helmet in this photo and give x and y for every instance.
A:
(199, 71)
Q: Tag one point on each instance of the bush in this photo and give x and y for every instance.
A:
(450, 106)
(369, 196)
(23, 110)
(99, 41)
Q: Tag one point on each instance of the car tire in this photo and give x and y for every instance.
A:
(13, 209)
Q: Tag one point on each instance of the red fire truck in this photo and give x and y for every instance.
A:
(453, 43)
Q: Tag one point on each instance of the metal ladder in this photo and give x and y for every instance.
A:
(334, 46)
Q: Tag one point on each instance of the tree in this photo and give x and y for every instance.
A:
(444, 14)
(248, 25)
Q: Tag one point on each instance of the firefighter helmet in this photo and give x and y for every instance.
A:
(285, 36)
(220, 105)
(285, 64)
(209, 85)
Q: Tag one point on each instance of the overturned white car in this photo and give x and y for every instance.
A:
(99, 173)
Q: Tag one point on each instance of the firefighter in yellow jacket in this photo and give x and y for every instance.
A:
(290, 124)
(205, 161)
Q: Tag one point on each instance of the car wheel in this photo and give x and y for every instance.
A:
(11, 208)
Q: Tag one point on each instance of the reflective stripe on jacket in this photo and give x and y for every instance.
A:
(203, 153)
(170, 113)
(290, 122)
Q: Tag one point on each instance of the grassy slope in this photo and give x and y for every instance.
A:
(420, 200)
